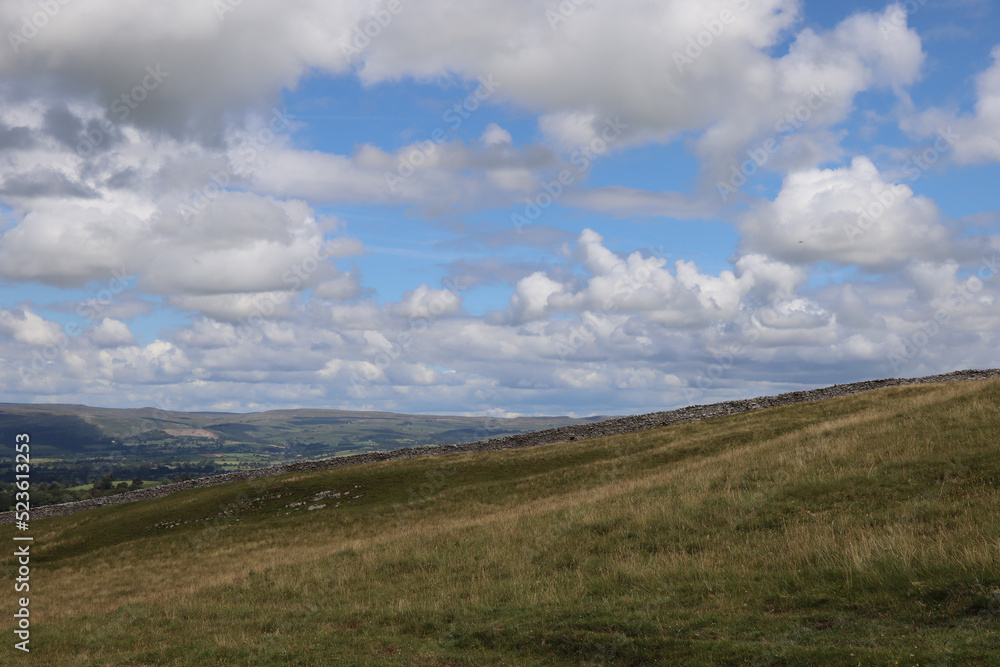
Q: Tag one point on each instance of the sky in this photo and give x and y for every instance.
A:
(493, 207)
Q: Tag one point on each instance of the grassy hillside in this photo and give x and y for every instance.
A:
(74, 445)
(861, 530)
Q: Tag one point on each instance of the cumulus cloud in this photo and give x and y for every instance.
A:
(773, 279)
(212, 62)
(150, 141)
(495, 135)
(111, 333)
(27, 327)
(531, 300)
(798, 97)
(848, 215)
(630, 331)
(240, 245)
(715, 74)
(425, 302)
(684, 298)
(158, 362)
(590, 55)
(975, 137)
(234, 308)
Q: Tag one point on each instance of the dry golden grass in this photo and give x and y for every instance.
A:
(862, 529)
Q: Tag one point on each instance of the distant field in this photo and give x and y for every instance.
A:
(859, 530)
(74, 432)
(72, 445)
(191, 433)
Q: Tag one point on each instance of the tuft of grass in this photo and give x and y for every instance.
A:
(860, 530)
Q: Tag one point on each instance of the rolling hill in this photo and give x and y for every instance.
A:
(863, 529)
(73, 431)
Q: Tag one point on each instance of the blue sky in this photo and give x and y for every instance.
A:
(243, 207)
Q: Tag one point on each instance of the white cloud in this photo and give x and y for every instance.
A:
(426, 303)
(495, 135)
(158, 362)
(241, 245)
(275, 321)
(650, 347)
(531, 300)
(776, 280)
(27, 327)
(795, 99)
(111, 333)
(234, 308)
(847, 215)
(64, 243)
(975, 138)
(214, 64)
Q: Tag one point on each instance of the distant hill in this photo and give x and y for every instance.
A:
(855, 530)
(75, 431)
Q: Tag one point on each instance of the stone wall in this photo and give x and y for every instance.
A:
(608, 427)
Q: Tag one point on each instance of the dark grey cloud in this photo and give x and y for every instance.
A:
(44, 183)
(15, 137)
(64, 125)
(124, 180)
(96, 135)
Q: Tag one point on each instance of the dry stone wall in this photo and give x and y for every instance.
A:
(616, 426)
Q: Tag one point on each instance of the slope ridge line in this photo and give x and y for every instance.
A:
(608, 427)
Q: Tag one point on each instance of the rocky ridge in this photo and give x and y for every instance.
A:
(615, 426)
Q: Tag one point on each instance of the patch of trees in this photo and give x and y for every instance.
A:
(51, 483)
(45, 493)
(64, 433)
(85, 472)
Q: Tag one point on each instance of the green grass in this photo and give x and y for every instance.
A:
(862, 530)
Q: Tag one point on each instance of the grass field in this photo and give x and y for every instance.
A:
(863, 530)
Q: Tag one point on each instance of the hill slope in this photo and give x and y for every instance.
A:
(863, 529)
